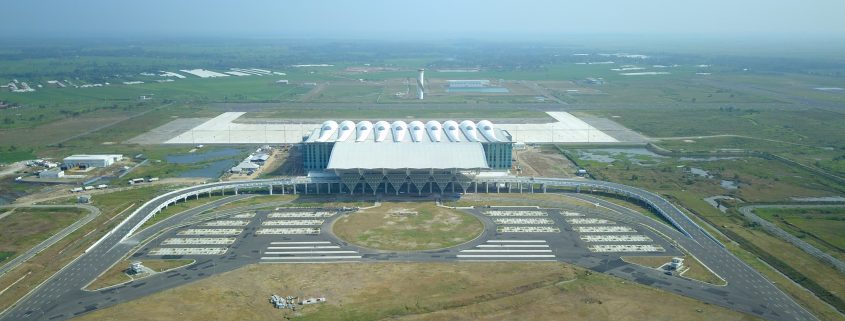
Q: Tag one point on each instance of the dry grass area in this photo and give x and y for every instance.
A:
(117, 273)
(24, 228)
(408, 226)
(114, 206)
(417, 291)
(695, 271)
(544, 161)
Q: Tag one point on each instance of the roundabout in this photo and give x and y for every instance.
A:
(408, 226)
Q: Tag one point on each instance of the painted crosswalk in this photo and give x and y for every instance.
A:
(509, 250)
(307, 252)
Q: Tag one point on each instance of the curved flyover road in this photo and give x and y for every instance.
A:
(745, 284)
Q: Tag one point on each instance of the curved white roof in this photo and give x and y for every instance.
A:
(347, 127)
(382, 128)
(327, 129)
(486, 129)
(467, 131)
(399, 129)
(452, 130)
(417, 131)
(468, 128)
(364, 128)
(434, 130)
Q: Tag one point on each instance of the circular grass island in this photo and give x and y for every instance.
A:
(408, 226)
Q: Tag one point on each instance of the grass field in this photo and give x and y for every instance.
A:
(114, 206)
(821, 227)
(25, 228)
(407, 226)
(418, 291)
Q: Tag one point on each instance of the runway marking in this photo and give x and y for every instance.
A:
(506, 251)
(188, 251)
(513, 245)
(303, 247)
(304, 242)
(311, 252)
(503, 256)
(310, 257)
(516, 241)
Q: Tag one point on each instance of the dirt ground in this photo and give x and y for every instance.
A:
(287, 162)
(276, 160)
(417, 291)
(545, 161)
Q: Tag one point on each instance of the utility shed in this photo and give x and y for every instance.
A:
(51, 173)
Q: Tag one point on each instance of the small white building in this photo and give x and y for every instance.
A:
(259, 158)
(677, 263)
(51, 173)
(244, 166)
(92, 160)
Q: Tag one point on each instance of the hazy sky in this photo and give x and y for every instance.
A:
(447, 19)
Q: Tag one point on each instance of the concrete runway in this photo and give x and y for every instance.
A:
(61, 298)
(224, 129)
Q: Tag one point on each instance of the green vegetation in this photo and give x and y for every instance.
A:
(812, 136)
(822, 227)
(407, 226)
(14, 156)
(25, 228)
(759, 180)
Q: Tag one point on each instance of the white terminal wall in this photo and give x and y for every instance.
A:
(372, 155)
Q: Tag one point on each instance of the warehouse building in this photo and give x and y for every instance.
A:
(86, 161)
(413, 157)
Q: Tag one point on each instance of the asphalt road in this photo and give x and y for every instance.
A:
(748, 212)
(93, 212)
(61, 298)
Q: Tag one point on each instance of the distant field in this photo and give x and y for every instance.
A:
(391, 111)
(418, 291)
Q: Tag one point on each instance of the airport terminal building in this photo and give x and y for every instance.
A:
(413, 157)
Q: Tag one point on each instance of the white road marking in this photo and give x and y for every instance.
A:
(303, 247)
(310, 257)
(311, 252)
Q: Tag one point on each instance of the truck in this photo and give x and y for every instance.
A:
(136, 181)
